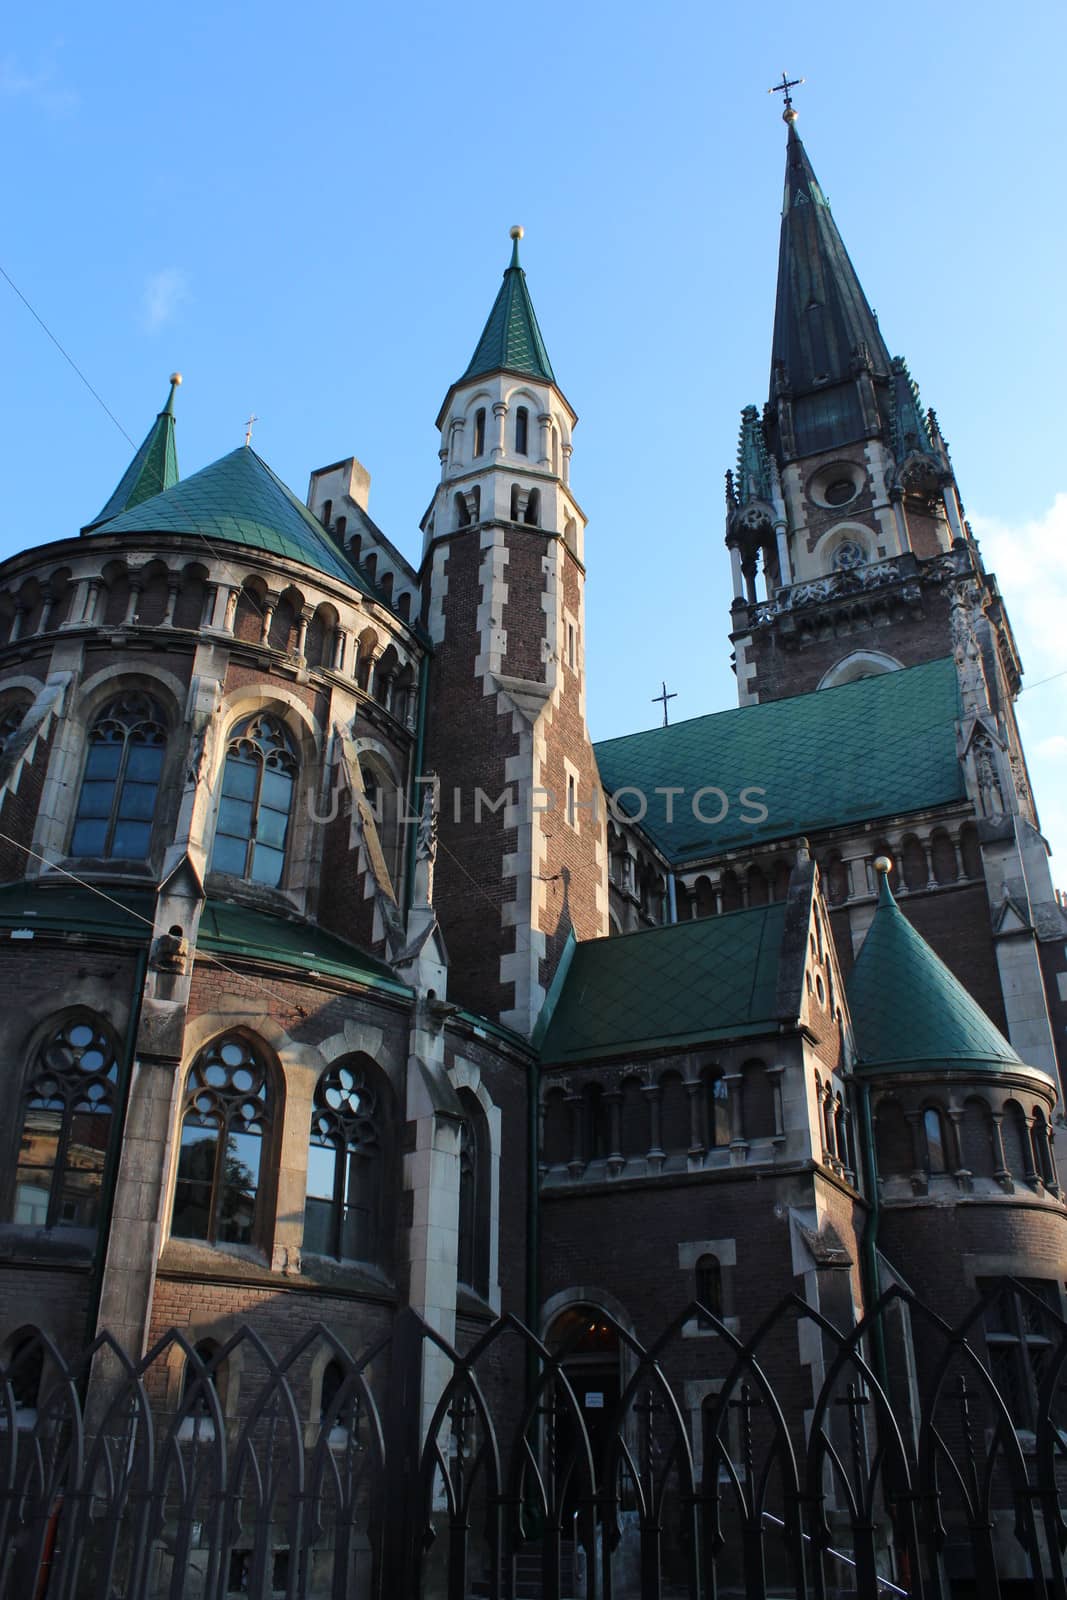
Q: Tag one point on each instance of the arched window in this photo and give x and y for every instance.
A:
(23, 1369)
(479, 432)
(717, 1107)
(122, 770)
(709, 1287)
(339, 1409)
(198, 1389)
(936, 1154)
(346, 1166)
(474, 1219)
(522, 431)
(532, 515)
(66, 1127)
(10, 723)
(258, 779)
(226, 1118)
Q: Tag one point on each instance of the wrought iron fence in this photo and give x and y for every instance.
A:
(901, 1457)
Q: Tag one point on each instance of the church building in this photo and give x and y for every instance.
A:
(343, 972)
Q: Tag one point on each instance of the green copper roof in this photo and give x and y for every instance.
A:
(65, 908)
(239, 500)
(821, 315)
(676, 985)
(241, 931)
(908, 1010)
(153, 469)
(872, 748)
(511, 340)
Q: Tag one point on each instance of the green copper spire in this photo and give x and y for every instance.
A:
(511, 339)
(823, 326)
(154, 467)
(908, 1011)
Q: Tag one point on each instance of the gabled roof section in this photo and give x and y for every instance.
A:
(242, 931)
(671, 986)
(239, 500)
(872, 748)
(909, 1012)
(153, 469)
(511, 340)
(821, 315)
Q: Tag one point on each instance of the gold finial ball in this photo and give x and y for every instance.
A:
(516, 232)
(175, 377)
(789, 115)
(883, 864)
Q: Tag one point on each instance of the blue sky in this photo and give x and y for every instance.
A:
(305, 209)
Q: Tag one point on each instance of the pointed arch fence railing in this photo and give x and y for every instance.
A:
(900, 1457)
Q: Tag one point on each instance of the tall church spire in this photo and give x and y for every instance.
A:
(153, 469)
(823, 326)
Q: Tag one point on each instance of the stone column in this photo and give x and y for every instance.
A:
(775, 1074)
(784, 564)
(270, 605)
(918, 1152)
(896, 499)
(1000, 1168)
(500, 412)
(576, 1164)
(613, 1101)
(21, 609)
(1033, 1175)
(954, 1119)
(697, 1147)
(174, 585)
(656, 1153)
(46, 613)
(136, 577)
(566, 452)
(544, 422)
(735, 1104)
(735, 569)
(230, 612)
(306, 614)
(340, 649)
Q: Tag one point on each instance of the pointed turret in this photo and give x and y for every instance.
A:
(824, 329)
(511, 339)
(909, 1012)
(153, 469)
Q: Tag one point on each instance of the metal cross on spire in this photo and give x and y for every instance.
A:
(248, 427)
(787, 83)
(664, 697)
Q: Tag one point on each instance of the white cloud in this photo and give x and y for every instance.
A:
(1030, 561)
(163, 294)
(40, 88)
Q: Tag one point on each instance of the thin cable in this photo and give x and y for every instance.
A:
(39, 319)
(198, 953)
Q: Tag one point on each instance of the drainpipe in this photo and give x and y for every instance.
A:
(872, 1282)
(533, 1216)
(111, 1170)
(414, 792)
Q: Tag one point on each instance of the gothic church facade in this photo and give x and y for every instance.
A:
(311, 1010)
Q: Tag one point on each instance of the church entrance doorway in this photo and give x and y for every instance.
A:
(593, 1368)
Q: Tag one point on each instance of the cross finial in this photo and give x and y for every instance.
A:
(787, 83)
(252, 418)
(664, 697)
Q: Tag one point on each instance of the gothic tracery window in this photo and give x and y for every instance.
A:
(66, 1127)
(346, 1166)
(226, 1119)
(117, 801)
(258, 780)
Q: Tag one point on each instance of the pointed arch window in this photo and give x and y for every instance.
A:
(474, 1219)
(258, 781)
(522, 431)
(66, 1127)
(227, 1117)
(346, 1166)
(117, 801)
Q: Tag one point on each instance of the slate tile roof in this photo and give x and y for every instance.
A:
(675, 985)
(909, 1011)
(873, 748)
(239, 500)
(511, 339)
